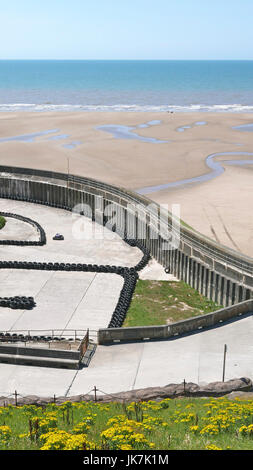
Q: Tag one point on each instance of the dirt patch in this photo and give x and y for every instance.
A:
(154, 285)
(184, 306)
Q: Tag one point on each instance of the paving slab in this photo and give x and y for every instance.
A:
(63, 300)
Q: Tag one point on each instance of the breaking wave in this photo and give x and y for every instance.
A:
(47, 107)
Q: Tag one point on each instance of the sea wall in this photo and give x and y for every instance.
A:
(183, 327)
(219, 273)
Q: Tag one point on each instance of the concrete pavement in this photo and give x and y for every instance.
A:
(65, 300)
(196, 358)
(80, 300)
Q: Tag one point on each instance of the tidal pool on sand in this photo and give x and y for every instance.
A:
(216, 167)
(125, 132)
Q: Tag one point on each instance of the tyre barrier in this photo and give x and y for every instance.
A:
(129, 275)
(146, 253)
(125, 298)
(14, 338)
(42, 236)
(18, 302)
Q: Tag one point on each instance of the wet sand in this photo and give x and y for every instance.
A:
(218, 207)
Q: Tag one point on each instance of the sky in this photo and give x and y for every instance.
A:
(126, 29)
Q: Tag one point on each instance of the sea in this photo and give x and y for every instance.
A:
(129, 85)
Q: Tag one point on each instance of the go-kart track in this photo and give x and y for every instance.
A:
(65, 299)
(72, 300)
(66, 302)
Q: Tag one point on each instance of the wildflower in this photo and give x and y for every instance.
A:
(210, 429)
(123, 431)
(212, 447)
(5, 433)
(21, 436)
(194, 428)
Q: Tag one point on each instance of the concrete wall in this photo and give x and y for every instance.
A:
(107, 336)
(219, 273)
(40, 357)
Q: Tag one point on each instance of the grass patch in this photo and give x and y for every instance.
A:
(161, 302)
(179, 424)
(2, 222)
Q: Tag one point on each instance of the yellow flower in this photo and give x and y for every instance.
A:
(194, 428)
(213, 447)
(210, 429)
(5, 432)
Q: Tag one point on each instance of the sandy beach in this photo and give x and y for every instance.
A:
(219, 208)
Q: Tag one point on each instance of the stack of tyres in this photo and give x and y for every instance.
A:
(18, 302)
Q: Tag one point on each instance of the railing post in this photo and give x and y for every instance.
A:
(224, 362)
(16, 398)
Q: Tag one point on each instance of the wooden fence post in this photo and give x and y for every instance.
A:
(224, 362)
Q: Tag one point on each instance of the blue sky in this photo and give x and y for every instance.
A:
(126, 29)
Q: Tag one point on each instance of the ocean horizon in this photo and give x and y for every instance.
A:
(126, 85)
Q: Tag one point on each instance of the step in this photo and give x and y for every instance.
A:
(39, 361)
(88, 354)
(40, 352)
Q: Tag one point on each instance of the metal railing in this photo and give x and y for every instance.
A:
(60, 338)
(84, 345)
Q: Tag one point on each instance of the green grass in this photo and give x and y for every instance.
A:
(171, 428)
(161, 302)
(2, 222)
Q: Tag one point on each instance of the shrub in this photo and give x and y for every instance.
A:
(2, 222)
